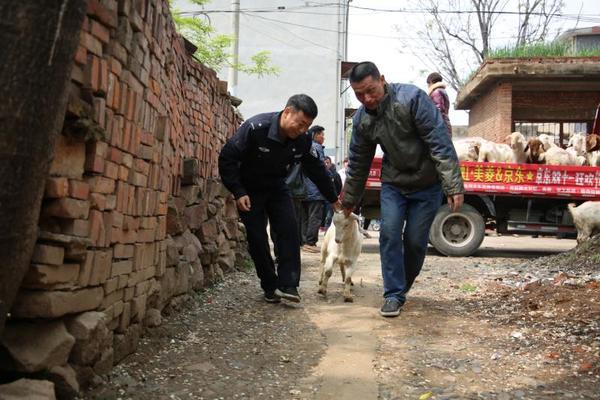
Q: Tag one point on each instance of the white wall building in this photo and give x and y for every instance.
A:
(306, 41)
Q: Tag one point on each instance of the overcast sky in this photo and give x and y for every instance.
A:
(374, 36)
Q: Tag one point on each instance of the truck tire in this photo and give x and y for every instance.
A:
(457, 234)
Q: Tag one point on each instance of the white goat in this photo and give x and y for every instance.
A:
(593, 158)
(517, 144)
(547, 141)
(495, 152)
(586, 218)
(557, 156)
(576, 147)
(341, 245)
(467, 149)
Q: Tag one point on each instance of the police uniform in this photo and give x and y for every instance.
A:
(255, 162)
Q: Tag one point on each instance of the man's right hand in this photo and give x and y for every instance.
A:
(243, 203)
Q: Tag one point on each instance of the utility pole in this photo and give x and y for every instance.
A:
(235, 46)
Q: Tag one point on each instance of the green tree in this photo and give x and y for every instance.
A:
(213, 48)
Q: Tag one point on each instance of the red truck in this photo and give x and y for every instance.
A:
(508, 198)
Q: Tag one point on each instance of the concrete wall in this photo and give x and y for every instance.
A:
(304, 43)
(133, 214)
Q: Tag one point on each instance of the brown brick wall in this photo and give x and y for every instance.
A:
(491, 116)
(555, 105)
(133, 213)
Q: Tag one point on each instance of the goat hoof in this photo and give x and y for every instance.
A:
(348, 299)
(322, 291)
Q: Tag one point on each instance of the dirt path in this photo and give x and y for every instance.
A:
(460, 336)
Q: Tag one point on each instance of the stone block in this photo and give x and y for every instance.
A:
(65, 381)
(125, 318)
(36, 346)
(153, 318)
(42, 276)
(191, 172)
(47, 254)
(53, 304)
(56, 187)
(208, 231)
(91, 337)
(85, 270)
(75, 227)
(101, 267)
(69, 158)
(196, 215)
(126, 343)
(124, 251)
(67, 207)
(30, 389)
(104, 365)
(121, 267)
(111, 298)
(100, 184)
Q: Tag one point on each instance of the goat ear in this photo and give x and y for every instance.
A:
(507, 138)
(591, 142)
(355, 217)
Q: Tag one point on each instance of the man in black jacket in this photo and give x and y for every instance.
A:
(253, 165)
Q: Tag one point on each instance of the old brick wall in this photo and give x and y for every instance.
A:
(491, 116)
(133, 214)
(555, 105)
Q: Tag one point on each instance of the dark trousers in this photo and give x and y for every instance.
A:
(299, 210)
(275, 206)
(314, 216)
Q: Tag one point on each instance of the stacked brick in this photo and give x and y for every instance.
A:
(133, 215)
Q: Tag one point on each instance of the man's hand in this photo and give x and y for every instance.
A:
(243, 203)
(455, 201)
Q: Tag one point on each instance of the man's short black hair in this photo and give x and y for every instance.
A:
(327, 158)
(314, 130)
(304, 103)
(362, 70)
(434, 77)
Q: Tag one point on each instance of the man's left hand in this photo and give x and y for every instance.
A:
(455, 201)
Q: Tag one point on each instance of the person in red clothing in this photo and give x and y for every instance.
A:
(437, 92)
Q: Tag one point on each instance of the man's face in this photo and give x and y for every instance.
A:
(319, 137)
(294, 123)
(327, 162)
(370, 91)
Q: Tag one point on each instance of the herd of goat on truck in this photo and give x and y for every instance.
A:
(582, 149)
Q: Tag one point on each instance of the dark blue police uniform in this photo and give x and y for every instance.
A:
(255, 162)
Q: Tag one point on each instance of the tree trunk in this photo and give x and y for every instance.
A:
(38, 40)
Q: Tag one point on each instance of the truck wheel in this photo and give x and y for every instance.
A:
(457, 234)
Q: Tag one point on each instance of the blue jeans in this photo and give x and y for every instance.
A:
(405, 222)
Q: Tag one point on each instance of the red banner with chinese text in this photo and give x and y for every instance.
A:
(532, 179)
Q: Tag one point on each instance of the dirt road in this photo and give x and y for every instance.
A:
(471, 329)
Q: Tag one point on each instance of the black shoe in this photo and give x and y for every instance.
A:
(288, 293)
(271, 297)
(391, 307)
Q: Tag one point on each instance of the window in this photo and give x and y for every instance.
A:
(561, 131)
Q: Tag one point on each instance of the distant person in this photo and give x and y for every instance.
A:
(253, 166)
(314, 201)
(419, 163)
(437, 92)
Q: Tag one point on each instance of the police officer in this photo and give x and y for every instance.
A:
(253, 165)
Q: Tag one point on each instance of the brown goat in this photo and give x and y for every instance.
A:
(592, 142)
(535, 152)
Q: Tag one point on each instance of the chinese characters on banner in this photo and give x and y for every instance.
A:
(536, 179)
